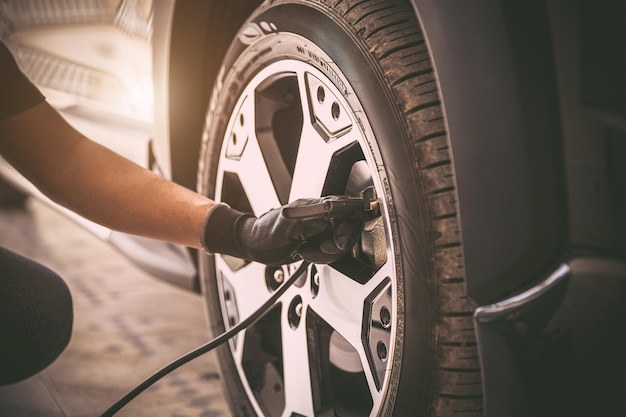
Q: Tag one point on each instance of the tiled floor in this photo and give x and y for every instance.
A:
(127, 325)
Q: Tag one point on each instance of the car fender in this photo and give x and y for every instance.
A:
(498, 88)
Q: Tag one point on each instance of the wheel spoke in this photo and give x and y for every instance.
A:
(308, 178)
(315, 151)
(297, 377)
(312, 163)
(340, 303)
(256, 180)
(248, 162)
(248, 285)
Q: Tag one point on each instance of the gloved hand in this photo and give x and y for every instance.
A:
(274, 239)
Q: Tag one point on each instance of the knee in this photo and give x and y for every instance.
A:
(36, 322)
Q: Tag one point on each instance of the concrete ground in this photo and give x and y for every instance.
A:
(127, 325)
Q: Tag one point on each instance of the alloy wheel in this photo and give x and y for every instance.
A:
(330, 338)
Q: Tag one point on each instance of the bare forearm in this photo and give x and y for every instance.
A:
(114, 192)
(97, 183)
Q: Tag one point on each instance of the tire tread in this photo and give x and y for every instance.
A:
(390, 30)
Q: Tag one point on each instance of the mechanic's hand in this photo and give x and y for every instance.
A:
(274, 239)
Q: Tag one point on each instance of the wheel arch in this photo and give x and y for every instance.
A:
(498, 86)
(190, 39)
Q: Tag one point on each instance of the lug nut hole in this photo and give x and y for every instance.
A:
(381, 350)
(335, 110)
(295, 312)
(274, 277)
(385, 317)
(321, 94)
(315, 281)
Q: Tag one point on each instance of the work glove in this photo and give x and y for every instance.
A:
(275, 239)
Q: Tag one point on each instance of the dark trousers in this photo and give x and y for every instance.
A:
(35, 317)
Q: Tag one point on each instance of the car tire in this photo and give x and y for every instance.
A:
(371, 61)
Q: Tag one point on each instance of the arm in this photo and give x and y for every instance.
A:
(108, 189)
(98, 184)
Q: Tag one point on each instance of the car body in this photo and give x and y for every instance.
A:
(535, 109)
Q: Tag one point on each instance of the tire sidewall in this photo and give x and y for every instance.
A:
(412, 365)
